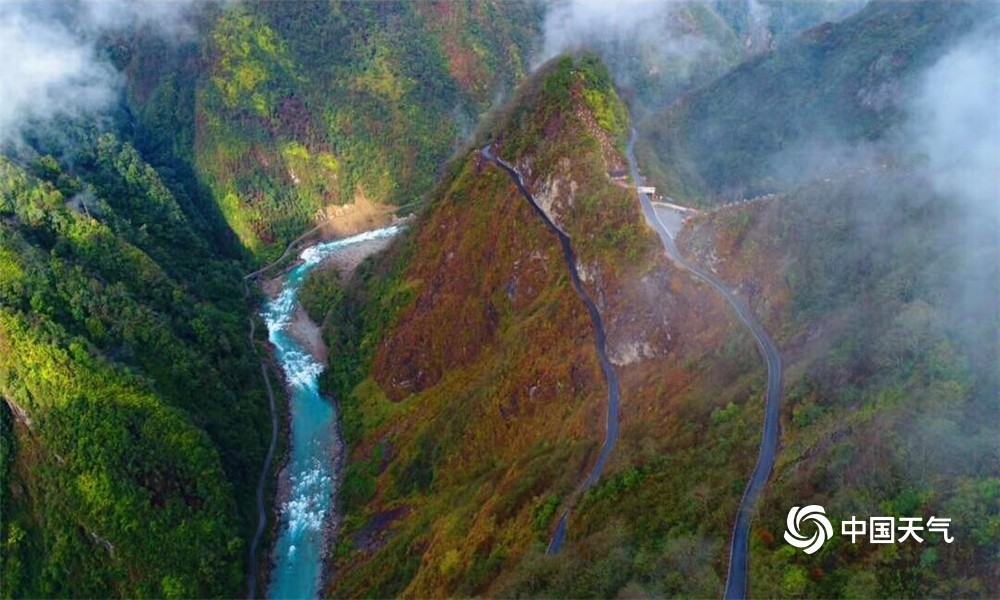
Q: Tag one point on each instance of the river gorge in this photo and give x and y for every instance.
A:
(310, 476)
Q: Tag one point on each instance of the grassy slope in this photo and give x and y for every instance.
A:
(131, 363)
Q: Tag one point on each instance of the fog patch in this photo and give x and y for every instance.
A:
(955, 120)
(50, 63)
(659, 47)
(578, 24)
(954, 123)
(47, 71)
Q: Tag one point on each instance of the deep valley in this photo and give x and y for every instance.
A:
(499, 299)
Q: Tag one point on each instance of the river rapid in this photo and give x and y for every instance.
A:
(307, 500)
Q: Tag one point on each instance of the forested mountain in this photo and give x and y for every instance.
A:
(875, 267)
(657, 51)
(886, 324)
(139, 418)
(285, 108)
(469, 362)
(833, 87)
(136, 419)
(282, 109)
(474, 402)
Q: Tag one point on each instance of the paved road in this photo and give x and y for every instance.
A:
(266, 467)
(672, 219)
(614, 392)
(736, 582)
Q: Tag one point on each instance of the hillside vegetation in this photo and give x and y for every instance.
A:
(834, 85)
(879, 287)
(134, 421)
(470, 391)
(889, 402)
(458, 451)
(296, 106)
(890, 407)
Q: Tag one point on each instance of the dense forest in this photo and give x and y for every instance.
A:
(302, 105)
(134, 418)
(137, 407)
(890, 395)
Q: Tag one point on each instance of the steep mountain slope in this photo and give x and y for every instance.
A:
(876, 330)
(890, 343)
(296, 106)
(122, 300)
(476, 405)
(876, 272)
(279, 110)
(765, 24)
(837, 84)
(447, 380)
(657, 51)
(135, 422)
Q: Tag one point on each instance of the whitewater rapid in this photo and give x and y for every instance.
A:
(307, 510)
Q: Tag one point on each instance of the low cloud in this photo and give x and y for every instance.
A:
(48, 71)
(954, 123)
(49, 60)
(169, 19)
(577, 24)
(654, 47)
(660, 48)
(955, 119)
(638, 29)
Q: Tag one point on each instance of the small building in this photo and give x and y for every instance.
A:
(647, 189)
(618, 174)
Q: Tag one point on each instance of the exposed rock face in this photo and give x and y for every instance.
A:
(19, 413)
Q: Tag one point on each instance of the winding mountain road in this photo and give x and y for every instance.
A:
(736, 581)
(266, 467)
(614, 392)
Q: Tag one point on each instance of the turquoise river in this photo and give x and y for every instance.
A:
(307, 508)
